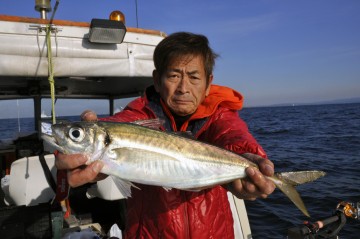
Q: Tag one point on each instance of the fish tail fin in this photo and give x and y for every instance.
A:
(287, 182)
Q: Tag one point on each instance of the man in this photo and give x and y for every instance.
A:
(183, 95)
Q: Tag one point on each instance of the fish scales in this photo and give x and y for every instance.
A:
(209, 159)
(172, 144)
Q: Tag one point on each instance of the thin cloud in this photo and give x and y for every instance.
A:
(248, 26)
(326, 53)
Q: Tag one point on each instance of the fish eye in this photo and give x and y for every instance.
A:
(76, 134)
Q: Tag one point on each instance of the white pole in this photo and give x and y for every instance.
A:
(18, 113)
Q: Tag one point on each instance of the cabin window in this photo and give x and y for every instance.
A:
(72, 108)
(16, 118)
(120, 104)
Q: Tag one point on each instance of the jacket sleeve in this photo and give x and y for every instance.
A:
(227, 130)
(135, 110)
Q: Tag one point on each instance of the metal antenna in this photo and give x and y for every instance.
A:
(43, 6)
(53, 13)
(136, 10)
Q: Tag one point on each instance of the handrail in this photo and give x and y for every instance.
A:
(74, 24)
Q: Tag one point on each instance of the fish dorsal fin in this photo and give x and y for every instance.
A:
(150, 123)
(185, 134)
(158, 123)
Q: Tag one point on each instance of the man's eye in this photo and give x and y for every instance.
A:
(173, 77)
(194, 78)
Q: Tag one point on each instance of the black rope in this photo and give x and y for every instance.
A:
(47, 172)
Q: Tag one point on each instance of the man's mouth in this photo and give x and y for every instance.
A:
(181, 101)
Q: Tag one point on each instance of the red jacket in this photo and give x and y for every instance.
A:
(154, 213)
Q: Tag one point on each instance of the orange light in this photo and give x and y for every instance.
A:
(117, 16)
(348, 209)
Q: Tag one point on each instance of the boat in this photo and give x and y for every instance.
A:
(37, 54)
(44, 115)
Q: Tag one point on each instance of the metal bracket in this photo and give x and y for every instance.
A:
(42, 28)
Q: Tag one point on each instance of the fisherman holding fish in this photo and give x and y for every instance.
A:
(185, 99)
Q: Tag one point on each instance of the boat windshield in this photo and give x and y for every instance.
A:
(17, 117)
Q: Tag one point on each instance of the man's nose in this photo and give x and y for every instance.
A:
(183, 85)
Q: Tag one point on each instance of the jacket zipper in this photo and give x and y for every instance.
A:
(182, 193)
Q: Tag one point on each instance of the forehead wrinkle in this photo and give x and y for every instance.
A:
(194, 72)
(178, 70)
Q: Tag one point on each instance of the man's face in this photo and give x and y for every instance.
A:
(183, 85)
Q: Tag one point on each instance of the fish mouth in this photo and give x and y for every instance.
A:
(52, 142)
(47, 136)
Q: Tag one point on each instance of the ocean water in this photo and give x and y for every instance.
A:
(321, 137)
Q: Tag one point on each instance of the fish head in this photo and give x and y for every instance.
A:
(78, 137)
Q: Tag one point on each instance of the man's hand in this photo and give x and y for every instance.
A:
(78, 172)
(255, 184)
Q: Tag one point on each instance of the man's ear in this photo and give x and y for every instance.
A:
(211, 77)
(156, 79)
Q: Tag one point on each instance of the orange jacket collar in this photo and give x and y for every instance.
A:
(218, 95)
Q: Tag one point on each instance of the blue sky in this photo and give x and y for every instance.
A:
(273, 52)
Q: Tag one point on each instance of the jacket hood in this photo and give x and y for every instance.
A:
(219, 96)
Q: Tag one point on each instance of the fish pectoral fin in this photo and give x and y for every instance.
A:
(124, 186)
(167, 189)
(194, 189)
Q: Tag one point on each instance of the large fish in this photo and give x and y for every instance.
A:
(133, 153)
